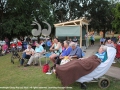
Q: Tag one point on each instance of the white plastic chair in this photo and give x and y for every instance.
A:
(45, 55)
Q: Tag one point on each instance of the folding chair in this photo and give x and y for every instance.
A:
(45, 55)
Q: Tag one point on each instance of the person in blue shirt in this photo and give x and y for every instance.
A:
(48, 44)
(102, 54)
(76, 51)
(66, 51)
(39, 50)
(102, 41)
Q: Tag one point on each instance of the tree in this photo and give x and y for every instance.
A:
(2, 11)
(99, 11)
(19, 15)
(116, 22)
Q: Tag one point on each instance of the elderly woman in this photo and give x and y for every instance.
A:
(73, 70)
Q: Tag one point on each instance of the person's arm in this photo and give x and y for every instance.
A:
(51, 48)
(32, 51)
(100, 41)
(58, 47)
(25, 50)
(79, 53)
(42, 50)
(61, 57)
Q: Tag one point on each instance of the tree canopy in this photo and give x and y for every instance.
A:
(116, 22)
(16, 16)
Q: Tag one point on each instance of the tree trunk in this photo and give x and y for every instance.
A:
(104, 31)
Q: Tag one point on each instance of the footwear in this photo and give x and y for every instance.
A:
(83, 86)
(35, 64)
(114, 62)
(49, 73)
(26, 65)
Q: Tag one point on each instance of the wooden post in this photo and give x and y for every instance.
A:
(80, 34)
(87, 40)
(87, 28)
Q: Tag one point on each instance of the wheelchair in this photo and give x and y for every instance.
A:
(15, 54)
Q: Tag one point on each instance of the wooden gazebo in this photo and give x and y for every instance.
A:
(72, 28)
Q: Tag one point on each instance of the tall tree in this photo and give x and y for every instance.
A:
(19, 15)
(116, 22)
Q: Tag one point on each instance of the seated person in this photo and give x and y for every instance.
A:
(0, 50)
(4, 48)
(39, 50)
(12, 46)
(56, 48)
(27, 54)
(118, 42)
(73, 70)
(113, 38)
(76, 51)
(118, 49)
(102, 41)
(64, 53)
(109, 43)
(19, 45)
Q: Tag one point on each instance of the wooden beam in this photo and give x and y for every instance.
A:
(84, 21)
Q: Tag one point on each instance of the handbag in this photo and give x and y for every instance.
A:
(45, 68)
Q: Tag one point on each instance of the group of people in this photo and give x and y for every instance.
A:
(70, 72)
(70, 49)
(74, 54)
(112, 42)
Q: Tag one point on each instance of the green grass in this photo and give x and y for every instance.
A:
(117, 64)
(13, 76)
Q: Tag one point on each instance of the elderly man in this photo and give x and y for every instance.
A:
(39, 50)
(73, 70)
(76, 51)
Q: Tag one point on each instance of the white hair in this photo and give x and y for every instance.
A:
(104, 47)
(73, 44)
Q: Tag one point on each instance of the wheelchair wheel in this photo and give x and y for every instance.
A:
(104, 83)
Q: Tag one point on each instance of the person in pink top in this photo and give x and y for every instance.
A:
(4, 48)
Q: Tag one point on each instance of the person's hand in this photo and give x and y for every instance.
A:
(33, 54)
(51, 49)
(81, 58)
(70, 57)
(61, 57)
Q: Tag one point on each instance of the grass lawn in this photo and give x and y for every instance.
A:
(13, 76)
(117, 64)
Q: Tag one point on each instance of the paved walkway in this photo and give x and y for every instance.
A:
(113, 71)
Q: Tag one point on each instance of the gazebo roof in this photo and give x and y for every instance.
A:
(82, 21)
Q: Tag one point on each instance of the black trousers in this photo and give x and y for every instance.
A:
(92, 42)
